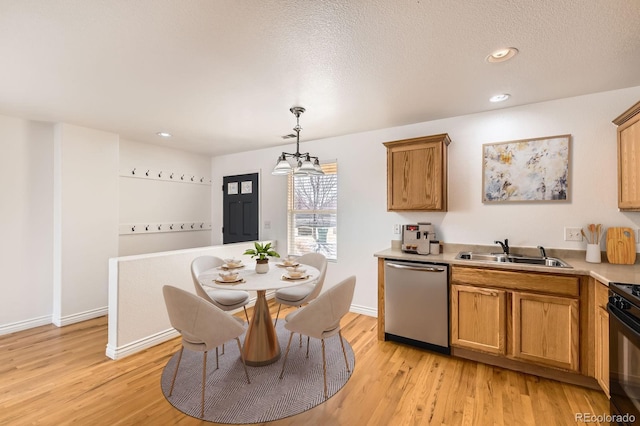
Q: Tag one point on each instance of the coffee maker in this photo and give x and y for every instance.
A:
(416, 238)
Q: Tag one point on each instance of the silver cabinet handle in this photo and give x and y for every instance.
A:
(415, 268)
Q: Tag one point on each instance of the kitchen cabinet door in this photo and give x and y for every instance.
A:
(417, 174)
(601, 334)
(629, 159)
(478, 319)
(602, 349)
(546, 330)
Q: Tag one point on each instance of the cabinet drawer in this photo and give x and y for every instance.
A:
(562, 285)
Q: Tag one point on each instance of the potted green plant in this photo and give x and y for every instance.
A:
(263, 252)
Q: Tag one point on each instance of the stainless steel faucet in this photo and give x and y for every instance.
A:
(504, 245)
(543, 252)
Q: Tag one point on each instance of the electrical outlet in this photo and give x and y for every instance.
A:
(396, 229)
(572, 234)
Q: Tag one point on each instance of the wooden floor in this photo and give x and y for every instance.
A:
(59, 376)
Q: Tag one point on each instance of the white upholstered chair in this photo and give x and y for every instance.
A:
(301, 294)
(227, 300)
(320, 319)
(203, 326)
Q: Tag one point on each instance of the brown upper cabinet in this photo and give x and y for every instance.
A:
(417, 173)
(629, 159)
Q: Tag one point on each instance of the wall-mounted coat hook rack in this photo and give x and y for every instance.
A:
(155, 228)
(164, 175)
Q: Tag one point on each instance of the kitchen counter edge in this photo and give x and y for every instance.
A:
(603, 272)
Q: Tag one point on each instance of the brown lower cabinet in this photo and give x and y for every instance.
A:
(478, 319)
(529, 317)
(546, 330)
(602, 336)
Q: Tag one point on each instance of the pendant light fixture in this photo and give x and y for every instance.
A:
(303, 164)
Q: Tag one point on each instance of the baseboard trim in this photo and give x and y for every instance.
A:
(140, 345)
(81, 316)
(364, 310)
(25, 325)
(161, 337)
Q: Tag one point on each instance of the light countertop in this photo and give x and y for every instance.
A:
(603, 272)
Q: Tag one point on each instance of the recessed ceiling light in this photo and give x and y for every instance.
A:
(502, 55)
(164, 134)
(500, 98)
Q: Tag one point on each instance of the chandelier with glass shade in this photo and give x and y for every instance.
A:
(304, 164)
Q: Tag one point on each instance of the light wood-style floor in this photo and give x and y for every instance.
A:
(59, 376)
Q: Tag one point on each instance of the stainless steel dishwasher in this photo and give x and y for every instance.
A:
(416, 304)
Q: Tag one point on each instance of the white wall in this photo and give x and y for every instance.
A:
(26, 223)
(162, 201)
(59, 216)
(85, 182)
(137, 313)
(365, 226)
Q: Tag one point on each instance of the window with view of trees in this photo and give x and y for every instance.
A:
(313, 212)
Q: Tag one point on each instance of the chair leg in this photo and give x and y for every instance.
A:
(344, 352)
(308, 347)
(246, 314)
(217, 364)
(300, 339)
(175, 373)
(324, 370)
(223, 349)
(204, 376)
(242, 358)
(277, 314)
(286, 354)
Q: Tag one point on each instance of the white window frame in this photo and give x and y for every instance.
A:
(323, 239)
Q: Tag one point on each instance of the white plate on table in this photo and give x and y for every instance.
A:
(286, 277)
(236, 281)
(227, 267)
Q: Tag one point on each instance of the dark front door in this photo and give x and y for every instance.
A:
(240, 211)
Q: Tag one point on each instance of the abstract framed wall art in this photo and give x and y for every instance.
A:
(526, 170)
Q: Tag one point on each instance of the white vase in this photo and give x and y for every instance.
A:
(262, 268)
(593, 253)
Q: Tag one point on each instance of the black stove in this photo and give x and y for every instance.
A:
(628, 292)
(624, 352)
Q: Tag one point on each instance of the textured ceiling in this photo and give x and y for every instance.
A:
(221, 75)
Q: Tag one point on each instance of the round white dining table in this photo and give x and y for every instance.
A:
(261, 346)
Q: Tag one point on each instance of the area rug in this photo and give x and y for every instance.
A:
(230, 399)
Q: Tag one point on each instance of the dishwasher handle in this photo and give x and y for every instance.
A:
(416, 268)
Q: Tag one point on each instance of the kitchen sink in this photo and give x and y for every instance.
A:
(482, 257)
(512, 258)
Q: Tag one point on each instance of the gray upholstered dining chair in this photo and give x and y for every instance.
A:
(320, 319)
(227, 300)
(301, 294)
(203, 326)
